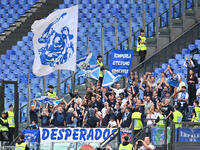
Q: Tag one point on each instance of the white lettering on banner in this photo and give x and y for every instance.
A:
(122, 63)
(75, 134)
(186, 135)
(117, 71)
(122, 55)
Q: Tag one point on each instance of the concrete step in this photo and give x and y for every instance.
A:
(190, 12)
(164, 31)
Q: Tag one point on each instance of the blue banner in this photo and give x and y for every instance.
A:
(120, 62)
(75, 134)
(31, 136)
(125, 132)
(158, 135)
(189, 134)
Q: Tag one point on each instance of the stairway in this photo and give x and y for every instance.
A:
(23, 26)
(170, 33)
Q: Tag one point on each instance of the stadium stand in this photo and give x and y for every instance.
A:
(17, 61)
(12, 10)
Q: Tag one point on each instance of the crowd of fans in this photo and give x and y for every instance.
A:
(113, 106)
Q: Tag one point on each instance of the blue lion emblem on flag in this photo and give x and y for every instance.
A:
(58, 46)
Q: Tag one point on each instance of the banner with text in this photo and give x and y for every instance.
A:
(75, 134)
(125, 132)
(31, 136)
(189, 134)
(120, 62)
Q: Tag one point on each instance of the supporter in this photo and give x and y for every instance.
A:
(134, 89)
(181, 84)
(73, 95)
(155, 98)
(112, 123)
(104, 109)
(90, 117)
(33, 125)
(111, 100)
(183, 101)
(151, 117)
(146, 144)
(71, 115)
(189, 63)
(34, 112)
(106, 119)
(105, 94)
(45, 117)
(167, 110)
(51, 93)
(147, 104)
(192, 81)
(130, 79)
(126, 119)
(118, 89)
(160, 120)
(117, 112)
(59, 118)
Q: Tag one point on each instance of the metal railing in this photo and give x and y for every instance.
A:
(150, 26)
(170, 50)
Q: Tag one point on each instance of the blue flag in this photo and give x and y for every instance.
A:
(49, 100)
(91, 73)
(87, 62)
(120, 62)
(109, 79)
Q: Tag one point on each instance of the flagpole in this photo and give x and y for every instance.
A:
(29, 99)
(73, 80)
(102, 43)
(143, 14)
(58, 83)
(130, 31)
(116, 34)
(88, 47)
(44, 85)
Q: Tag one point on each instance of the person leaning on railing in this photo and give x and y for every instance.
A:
(137, 117)
(196, 112)
(177, 117)
(21, 145)
(126, 144)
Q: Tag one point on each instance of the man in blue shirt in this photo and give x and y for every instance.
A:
(59, 118)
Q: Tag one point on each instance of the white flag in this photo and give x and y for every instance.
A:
(55, 41)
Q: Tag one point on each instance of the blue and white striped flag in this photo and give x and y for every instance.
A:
(55, 41)
(49, 100)
(109, 79)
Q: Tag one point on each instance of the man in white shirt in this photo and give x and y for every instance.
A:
(117, 90)
(146, 144)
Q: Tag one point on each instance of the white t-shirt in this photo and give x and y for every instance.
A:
(182, 95)
(150, 145)
(118, 91)
(103, 112)
(151, 122)
(112, 124)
